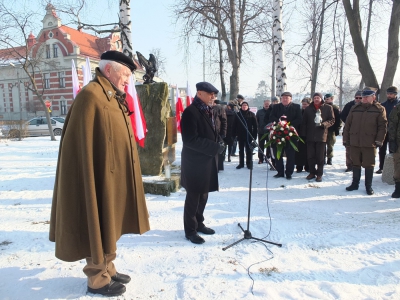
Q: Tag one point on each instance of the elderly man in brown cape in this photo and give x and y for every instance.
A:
(98, 192)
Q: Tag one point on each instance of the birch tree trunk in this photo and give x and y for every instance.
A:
(125, 25)
(234, 79)
(273, 73)
(279, 52)
(341, 69)
(318, 51)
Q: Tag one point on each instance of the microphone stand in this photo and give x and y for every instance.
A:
(246, 232)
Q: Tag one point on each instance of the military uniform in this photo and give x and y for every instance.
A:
(394, 142)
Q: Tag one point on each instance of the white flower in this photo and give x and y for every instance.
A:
(279, 143)
(274, 137)
(282, 139)
(282, 128)
(290, 134)
(274, 127)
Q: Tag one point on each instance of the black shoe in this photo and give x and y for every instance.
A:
(329, 162)
(278, 175)
(229, 160)
(122, 278)
(195, 239)
(352, 187)
(369, 190)
(110, 290)
(288, 177)
(206, 230)
(239, 166)
(349, 169)
(379, 171)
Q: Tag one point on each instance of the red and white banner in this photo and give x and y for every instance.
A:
(189, 97)
(137, 118)
(87, 72)
(75, 81)
(178, 109)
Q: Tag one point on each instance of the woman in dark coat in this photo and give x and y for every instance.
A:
(301, 155)
(245, 128)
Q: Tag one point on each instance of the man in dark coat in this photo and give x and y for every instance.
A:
(333, 131)
(199, 160)
(98, 192)
(262, 115)
(343, 116)
(220, 127)
(364, 131)
(394, 146)
(292, 111)
(391, 101)
(245, 128)
(316, 134)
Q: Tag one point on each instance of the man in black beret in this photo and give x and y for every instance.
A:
(389, 104)
(98, 193)
(199, 160)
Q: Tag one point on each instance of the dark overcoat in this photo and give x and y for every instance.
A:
(317, 133)
(98, 192)
(291, 111)
(230, 117)
(244, 125)
(199, 171)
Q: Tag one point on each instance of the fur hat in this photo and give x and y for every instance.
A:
(319, 95)
(392, 89)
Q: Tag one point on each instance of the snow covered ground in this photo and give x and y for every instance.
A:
(336, 244)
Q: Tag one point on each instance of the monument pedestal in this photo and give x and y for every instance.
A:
(388, 169)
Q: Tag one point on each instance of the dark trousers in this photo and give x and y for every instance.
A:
(243, 145)
(301, 157)
(290, 160)
(221, 159)
(234, 145)
(261, 143)
(316, 156)
(382, 152)
(193, 218)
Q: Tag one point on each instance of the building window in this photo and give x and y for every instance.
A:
(47, 51)
(55, 50)
(63, 106)
(61, 79)
(46, 80)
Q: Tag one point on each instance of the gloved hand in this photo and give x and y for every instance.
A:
(392, 146)
(221, 147)
(378, 144)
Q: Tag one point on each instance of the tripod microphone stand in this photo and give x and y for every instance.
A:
(246, 233)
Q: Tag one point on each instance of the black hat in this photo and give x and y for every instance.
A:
(367, 91)
(244, 102)
(358, 93)
(120, 58)
(328, 95)
(239, 97)
(317, 94)
(286, 94)
(392, 89)
(206, 87)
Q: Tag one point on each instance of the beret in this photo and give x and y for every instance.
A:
(328, 95)
(239, 97)
(391, 89)
(120, 58)
(286, 94)
(206, 87)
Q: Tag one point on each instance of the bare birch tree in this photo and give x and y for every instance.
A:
(279, 47)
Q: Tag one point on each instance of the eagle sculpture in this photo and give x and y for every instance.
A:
(150, 66)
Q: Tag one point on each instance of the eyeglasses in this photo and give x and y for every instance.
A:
(358, 97)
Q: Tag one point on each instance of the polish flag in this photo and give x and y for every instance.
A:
(189, 97)
(75, 81)
(87, 72)
(178, 109)
(137, 118)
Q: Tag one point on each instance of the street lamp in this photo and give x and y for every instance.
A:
(204, 60)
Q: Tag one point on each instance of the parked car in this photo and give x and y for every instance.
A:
(35, 127)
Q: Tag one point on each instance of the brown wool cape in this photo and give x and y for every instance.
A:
(98, 193)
